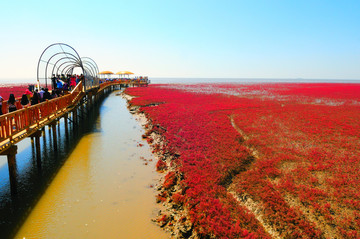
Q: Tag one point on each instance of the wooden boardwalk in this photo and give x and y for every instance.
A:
(30, 121)
(23, 123)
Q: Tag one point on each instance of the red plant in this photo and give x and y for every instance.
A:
(170, 180)
(177, 198)
(291, 149)
(161, 165)
(17, 89)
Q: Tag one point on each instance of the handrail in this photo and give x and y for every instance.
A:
(19, 120)
(18, 123)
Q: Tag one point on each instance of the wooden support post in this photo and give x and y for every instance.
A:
(74, 116)
(82, 106)
(53, 126)
(37, 136)
(11, 158)
(90, 96)
(38, 153)
(87, 102)
(66, 125)
(49, 132)
(44, 140)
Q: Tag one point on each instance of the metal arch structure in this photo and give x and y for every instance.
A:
(54, 59)
(91, 72)
(92, 65)
(60, 58)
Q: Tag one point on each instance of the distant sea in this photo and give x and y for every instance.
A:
(158, 80)
(246, 80)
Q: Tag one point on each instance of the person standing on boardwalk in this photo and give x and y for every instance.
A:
(59, 85)
(72, 82)
(41, 93)
(65, 88)
(47, 95)
(24, 101)
(28, 94)
(53, 94)
(1, 101)
(53, 82)
(11, 103)
(63, 78)
(81, 78)
(35, 99)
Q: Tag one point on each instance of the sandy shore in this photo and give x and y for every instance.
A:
(174, 216)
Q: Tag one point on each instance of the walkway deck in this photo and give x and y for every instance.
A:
(23, 123)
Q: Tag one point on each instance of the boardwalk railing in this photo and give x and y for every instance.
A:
(24, 122)
(20, 123)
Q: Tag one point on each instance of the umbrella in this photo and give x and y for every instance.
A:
(106, 73)
(124, 73)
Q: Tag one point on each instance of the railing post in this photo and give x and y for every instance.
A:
(11, 158)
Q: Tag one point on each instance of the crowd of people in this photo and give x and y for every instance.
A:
(61, 85)
(136, 79)
(65, 83)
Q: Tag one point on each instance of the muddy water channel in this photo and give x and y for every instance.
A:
(104, 187)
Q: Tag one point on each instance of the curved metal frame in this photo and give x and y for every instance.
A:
(91, 70)
(72, 59)
(64, 62)
(54, 65)
(58, 67)
(92, 62)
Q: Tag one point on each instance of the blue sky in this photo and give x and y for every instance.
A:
(236, 39)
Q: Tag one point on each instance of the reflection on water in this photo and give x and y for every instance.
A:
(102, 189)
(33, 178)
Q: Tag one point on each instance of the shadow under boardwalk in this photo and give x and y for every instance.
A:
(33, 175)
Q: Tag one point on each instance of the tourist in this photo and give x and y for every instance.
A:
(1, 101)
(35, 99)
(63, 78)
(28, 94)
(24, 101)
(41, 93)
(11, 103)
(81, 78)
(47, 95)
(72, 82)
(59, 85)
(53, 94)
(65, 88)
(58, 93)
(68, 79)
(53, 82)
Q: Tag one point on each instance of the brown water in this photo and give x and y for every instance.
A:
(104, 188)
